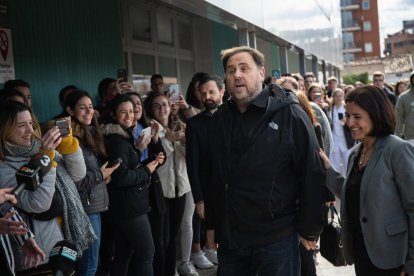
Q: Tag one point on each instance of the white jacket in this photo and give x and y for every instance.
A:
(174, 172)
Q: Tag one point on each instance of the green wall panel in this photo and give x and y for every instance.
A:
(293, 62)
(274, 59)
(56, 43)
(223, 37)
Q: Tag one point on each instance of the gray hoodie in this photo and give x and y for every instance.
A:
(404, 111)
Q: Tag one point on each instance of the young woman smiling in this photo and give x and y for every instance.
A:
(92, 189)
(128, 192)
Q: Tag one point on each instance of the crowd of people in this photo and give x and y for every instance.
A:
(238, 172)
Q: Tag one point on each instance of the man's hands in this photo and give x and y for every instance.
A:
(309, 245)
(200, 209)
(32, 253)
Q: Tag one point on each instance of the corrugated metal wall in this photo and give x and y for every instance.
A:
(56, 43)
(223, 37)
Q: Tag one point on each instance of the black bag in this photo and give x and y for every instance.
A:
(330, 240)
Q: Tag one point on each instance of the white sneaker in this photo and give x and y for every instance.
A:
(187, 269)
(200, 261)
(211, 255)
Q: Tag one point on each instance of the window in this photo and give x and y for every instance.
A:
(348, 41)
(185, 39)
(368, 47)
(140, 24)
(165, 29)
(367, 26)
(143, 64)
(365, 5)
(168, 66)
(346, 18)
(399, 44)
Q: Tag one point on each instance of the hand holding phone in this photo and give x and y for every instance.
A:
(123, 75)
(108, 168)
(174, 93)
(146, 132)
(63, 125)
(114, 162)
(175, 126)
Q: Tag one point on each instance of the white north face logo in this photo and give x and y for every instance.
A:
(273, 125)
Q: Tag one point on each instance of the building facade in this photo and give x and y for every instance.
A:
(56, 43)
(401, 42)
(360, 29)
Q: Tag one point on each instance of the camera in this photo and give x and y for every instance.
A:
(63, 125)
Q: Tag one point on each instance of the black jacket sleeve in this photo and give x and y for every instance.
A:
(193, 161)
(311, 177)
(131, 172)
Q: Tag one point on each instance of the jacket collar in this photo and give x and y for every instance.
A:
(369, 170)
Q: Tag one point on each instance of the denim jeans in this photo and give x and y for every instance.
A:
(88, 263)
(280, 258)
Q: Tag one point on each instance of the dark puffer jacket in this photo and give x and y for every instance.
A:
(128, 189)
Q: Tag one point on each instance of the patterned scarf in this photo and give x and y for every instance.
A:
(77, 228)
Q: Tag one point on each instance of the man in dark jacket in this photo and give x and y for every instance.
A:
(211, 91)
(266, 180)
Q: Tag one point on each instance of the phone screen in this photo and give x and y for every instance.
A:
(123, 74)
(340, 115)
(175, 126)
(174, 92)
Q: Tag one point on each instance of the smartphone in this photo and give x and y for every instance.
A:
(63, 125)
(318, 96)
(174, 93)
(175, 126)
(123, 74)
(146, 131)
(114, 162)
(340, 115)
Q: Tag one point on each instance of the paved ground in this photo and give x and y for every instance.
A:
(324, 268)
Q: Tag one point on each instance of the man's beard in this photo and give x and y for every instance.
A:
(210, 105)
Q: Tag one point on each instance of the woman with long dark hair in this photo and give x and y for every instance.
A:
(128, 192)
(92, 188)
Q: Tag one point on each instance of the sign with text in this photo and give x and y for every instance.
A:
(6, 56)
(276, 73)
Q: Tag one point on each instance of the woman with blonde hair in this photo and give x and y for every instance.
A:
(20, 139)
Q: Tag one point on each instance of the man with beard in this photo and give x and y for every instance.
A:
(211, 91)
(265, 176)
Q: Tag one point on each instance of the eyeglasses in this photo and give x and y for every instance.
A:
(159, 106)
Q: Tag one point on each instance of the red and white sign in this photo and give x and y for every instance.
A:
(6, 56)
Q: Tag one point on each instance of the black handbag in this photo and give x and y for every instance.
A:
(330, 240)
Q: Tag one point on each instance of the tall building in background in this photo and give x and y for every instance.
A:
(401, 42)
(360, 29)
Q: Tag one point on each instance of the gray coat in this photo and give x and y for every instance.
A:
(386, 204)
(47, 233)
(92, 188)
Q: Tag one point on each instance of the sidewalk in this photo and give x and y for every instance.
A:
(324, 268)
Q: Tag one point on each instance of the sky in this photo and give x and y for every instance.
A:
(391, 15)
